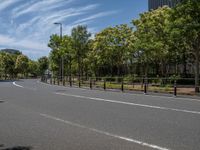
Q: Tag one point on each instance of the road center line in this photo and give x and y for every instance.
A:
(129, 103)
(105, 133)
(14, 83)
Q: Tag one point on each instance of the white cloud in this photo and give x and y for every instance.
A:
(42, 25)
(95, 16)
(7, 3)
(41, 6)
(31, 22)
(4, 39)
(24, 43)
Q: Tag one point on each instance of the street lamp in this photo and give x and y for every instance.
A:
(60, 24)
(61, 62)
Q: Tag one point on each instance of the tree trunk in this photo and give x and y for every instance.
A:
(185, 65)
(197, 71)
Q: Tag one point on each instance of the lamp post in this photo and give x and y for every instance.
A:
(60, 24)
(61, 61)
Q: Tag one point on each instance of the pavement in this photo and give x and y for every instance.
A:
(38, 116)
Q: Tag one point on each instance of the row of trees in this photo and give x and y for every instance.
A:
(156, 44)
(16, 64)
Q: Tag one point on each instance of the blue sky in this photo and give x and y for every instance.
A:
(27, 24)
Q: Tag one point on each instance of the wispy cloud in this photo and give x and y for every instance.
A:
(4, 40)
(28, 24)
(95, 16)
(7, 3)
(26, 44)
(35, 6)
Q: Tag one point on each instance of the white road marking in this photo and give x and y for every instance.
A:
(34, 89)
(105, 133)
(129, 103)
(61, 86)
(171, 98)
(14, 83)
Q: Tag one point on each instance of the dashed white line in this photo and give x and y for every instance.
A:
(106, 133)
(129, 103)
(14, 83)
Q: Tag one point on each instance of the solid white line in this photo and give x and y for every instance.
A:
(174, 98)
(129, 103)
(14, 83)
(61, 86)
(105, 133)
(171, 98)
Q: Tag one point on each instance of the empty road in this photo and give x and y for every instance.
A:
(37, 116)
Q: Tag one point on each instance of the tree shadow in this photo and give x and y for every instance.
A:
(7, 80)
(16, 148)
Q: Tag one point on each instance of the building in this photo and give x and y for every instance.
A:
(154, 4)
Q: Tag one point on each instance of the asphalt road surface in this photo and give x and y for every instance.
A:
(37, 116)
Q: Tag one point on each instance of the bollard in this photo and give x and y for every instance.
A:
(104, 84)
(145, 86)
(90, 83)
(79, 82)
(58, 80)
(50, 80)
(122, 86)
(175, 88)
(63, 81)
(54, 80)
(70, 81)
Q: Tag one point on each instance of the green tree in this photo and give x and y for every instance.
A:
(55, 54)
(7, 65)
(43, 65)
(33, 68)
(80, 36)
(21, 64)
(67, 54)
(152, 38)
(112, 47)
(185, 25)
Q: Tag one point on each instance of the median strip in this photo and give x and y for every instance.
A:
(129, 103)
(105, 133)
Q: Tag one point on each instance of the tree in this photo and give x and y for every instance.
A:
(55, 54)
(152, 38)
(21, 64)
(185, 20)
(80, 36)
(33, 68)
(7, 62)
(43, 65)
(111, 45)
(67, 54)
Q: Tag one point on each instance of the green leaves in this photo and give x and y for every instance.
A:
(21, 64)
(157, 40)
(43, 65)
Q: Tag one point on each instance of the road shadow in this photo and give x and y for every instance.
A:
(7, 80)
(16, 148)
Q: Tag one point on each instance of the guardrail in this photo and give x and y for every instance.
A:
(159, 85)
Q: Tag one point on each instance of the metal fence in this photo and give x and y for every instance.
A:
(183, 86)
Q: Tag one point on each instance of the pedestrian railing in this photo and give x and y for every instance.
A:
(146, 85)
